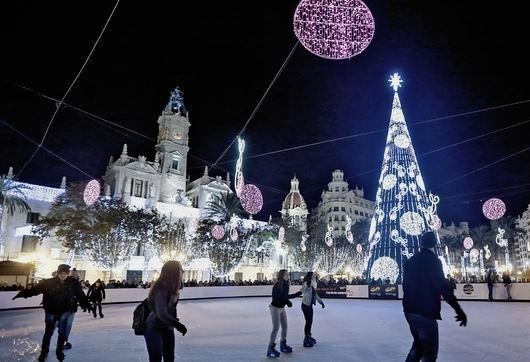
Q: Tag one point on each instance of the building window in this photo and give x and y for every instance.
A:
(343, 209)
(344, 189)
(329, 220)
(343, 218)
(29, 243)
(336, 218)
(32, 218)
(336, 208)
(356, 212)
(175, 163)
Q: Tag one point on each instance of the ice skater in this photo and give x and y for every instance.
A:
(163, 298)
(309, 298)
(61, 294)
(490, 280)
(96, 294)
(507, 281)
(280, 299)
(423, 283)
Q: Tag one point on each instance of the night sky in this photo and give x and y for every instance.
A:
(454, 56)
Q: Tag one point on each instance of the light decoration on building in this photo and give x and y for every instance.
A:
(359, 248)
(474, 254)
(494, 209)
(303, 247)
(349, 234)
(487, 251)
(499, 238)
(234, 234)
(385, 268)
(251, 199)
(239, 180)
(91, 192)
(281, 234)
(403, 209)
(218, 232)
(334, 29)
(468, 242)
(328, 239)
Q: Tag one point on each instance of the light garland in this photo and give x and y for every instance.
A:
(251, 199)
(239, 180)
(499, 238)
(281, 234)
(328, 239)
(349, 235)
(385, 268)
(494, 209)
(302, 243)
(234, 234)
(218, 232)
(334, 29)
(468, 242)
(91, 192)
(487, 251)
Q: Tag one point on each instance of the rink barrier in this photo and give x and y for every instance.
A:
(477, 292)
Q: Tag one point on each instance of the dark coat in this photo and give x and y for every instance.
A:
(163, 309)
(281, 296)
(423, 284)
(96, 294)
(58, 297)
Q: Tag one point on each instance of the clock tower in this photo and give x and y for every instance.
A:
(172, 148)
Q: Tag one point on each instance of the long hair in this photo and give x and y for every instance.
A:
(279, 277)
(170, 278)
(307, 279)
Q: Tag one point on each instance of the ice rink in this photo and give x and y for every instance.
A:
(238, 330)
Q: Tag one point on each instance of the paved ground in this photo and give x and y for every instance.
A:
(238, 330)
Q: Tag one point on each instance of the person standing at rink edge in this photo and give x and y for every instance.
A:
(423, 284)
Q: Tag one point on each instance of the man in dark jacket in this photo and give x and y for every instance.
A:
(61, 294)
(423, 284)
(96, 294)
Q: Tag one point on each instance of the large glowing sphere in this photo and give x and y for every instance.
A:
(468, 243)
(494, 209)
(218, 232)
(412, 223)
(385, 268)
(334, 29)
(251, 199)
(92, 192)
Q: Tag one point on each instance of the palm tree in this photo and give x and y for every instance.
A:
(12, 199)
(481, 235)
(224, 206)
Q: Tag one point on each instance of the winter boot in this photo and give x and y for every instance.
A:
(312, 339)
(42, 356)
(272, 352)
(59, 355)
(284, 348)
(67, 345)
(308, 342)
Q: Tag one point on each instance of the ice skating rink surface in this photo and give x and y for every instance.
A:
(238, 330)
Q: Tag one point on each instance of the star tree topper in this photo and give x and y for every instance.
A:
(395, 81)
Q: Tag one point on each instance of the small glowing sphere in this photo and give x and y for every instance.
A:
(474, 253)
(436, 222)
(251, 199)
(359, 248)
(468, 243)
(92, 192)
(385, 268)
(218, 232)
(389, 181)
(494, 209)
(334, 29)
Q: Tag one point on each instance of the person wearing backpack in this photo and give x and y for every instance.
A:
(309, 298)
(163, 298)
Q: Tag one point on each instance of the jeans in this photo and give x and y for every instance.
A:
(279, 317)
(69, 323)
(425, 334)
(97, 303)
(160, 342)
(308, 316)
(52, 320)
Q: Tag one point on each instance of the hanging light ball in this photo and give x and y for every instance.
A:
(334, 29)
(251, 199)
(474, 253)
(494, 208)
(218, 232)
(91, 192)
(468, 243)
(385, 267)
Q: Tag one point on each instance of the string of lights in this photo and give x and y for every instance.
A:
(58, 106)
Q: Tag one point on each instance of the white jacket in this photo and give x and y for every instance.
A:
(307, 294)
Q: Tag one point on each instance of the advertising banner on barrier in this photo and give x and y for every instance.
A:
(385, 291)
(332, 292)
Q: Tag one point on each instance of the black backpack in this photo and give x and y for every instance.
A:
(140, 314)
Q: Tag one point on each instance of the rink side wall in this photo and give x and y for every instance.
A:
(520, 292)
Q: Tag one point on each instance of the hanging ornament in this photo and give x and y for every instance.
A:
(302, 243)
(487, 252)
(281, 234)
(494, 209)
(468, 243)
(218, 232)
(91, 192)
(234, 234)
(334, 29)
(499, 238)
(359, 248)
(474, 253)
(436, 223)
(251, 199)
(349, 235)
(239, 180)
(329, 236)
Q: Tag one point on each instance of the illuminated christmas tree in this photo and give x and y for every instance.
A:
(403, 209)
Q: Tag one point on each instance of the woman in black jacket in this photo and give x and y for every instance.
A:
(163, 299)
(280, 298)
(96, 294)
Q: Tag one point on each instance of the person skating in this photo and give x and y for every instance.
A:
(280, 299)
(61, 294)
(96, 294)
(490, 280)
(423, 283)
(507, 281)
(309, 298)
(163, 298)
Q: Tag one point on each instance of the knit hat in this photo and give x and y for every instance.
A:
(63, 268)
(428, 240)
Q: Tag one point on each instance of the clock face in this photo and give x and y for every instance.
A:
(177, 135)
